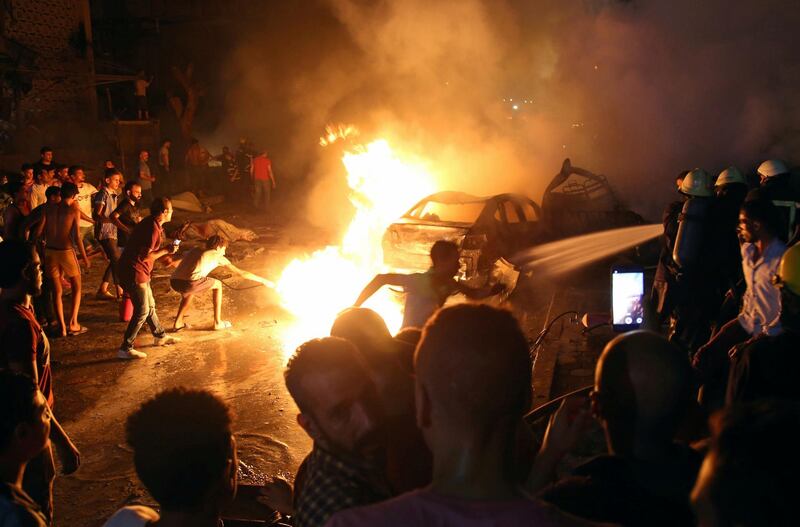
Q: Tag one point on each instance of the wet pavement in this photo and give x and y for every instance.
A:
(95, 391)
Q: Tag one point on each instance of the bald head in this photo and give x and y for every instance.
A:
(644, 385)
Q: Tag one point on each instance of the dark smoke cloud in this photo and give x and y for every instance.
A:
(636, 90)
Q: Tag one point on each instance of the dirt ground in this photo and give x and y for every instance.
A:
(95, 391)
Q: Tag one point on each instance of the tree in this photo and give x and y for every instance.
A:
(185, 111)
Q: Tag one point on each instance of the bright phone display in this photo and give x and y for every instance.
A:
(627, 298)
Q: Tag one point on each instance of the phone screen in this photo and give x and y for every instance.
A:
(627, 291)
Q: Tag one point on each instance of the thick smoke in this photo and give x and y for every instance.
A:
(636, 90)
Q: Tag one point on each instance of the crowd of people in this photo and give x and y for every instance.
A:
(428, 427)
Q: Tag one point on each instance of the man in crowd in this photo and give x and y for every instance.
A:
(60, 229)
(145, 178)
(104, 204)
(643, 391)
(135, 269)
(127, 213)
(473, 385)
(44, 179)
(339, 410)
(62, 174)
(185, 455)
(263, 180)
(24, 434)
(765, 367)
(44, 304)
(84, 202)
(427, 292)
(778, 186)
(15, 213)
(45, 159)
(759, 223)
(140, 86)
(749, 476)
(26, 350)
(191, 278)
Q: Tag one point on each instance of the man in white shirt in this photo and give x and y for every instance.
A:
(191, 277)
(84, 201)
(759, 225)
(44, 179)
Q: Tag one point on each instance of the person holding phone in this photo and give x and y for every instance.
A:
(135, 269)
(191, 277)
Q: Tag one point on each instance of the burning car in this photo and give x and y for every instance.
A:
(486, 229)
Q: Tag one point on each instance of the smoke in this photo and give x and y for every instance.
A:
(636, 90)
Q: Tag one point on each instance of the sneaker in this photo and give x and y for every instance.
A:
(165, 341)
(131, 354)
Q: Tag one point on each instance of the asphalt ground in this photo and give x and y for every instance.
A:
(95, 391)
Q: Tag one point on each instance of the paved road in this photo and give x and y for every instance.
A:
(95, 392)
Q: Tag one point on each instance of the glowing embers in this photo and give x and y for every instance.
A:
(383, 185)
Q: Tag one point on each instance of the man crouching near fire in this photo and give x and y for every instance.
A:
(426, 292)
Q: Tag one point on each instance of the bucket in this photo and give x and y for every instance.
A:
(125, 308)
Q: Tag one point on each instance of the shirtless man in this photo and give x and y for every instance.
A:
(426, 292)
(61, 227)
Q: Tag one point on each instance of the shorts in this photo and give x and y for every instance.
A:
(61, 262)
(192, 287)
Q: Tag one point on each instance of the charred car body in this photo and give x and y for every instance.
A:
(492, 229)
(486, 229)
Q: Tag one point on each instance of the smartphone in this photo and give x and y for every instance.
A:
(627, 297)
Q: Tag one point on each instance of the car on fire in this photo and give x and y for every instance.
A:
(486, 230)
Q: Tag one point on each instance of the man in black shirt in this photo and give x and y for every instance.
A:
(127, 213)
(643, 389)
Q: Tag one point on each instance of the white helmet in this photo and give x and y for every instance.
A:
(772, 167)
(697, 183)
(730, 176)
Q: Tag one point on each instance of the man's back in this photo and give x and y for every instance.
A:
(425, 507)
(60, 220)
(614, 489)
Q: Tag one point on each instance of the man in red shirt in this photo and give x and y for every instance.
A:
(263, 180)
(134, 269)
(26, 350)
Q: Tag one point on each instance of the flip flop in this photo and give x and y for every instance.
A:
(81, 331)
(185, 326)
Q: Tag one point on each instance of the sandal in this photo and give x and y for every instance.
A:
(81, 331)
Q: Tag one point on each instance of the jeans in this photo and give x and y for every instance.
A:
(262, 188)
(144, 310)
(112, 252)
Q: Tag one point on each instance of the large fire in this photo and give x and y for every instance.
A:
(383, 185)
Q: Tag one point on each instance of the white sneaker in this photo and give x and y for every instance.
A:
(165, 340)
(131, 354)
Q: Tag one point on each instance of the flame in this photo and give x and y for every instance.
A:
(383, 186)
(335, 133)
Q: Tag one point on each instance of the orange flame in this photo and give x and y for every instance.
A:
(315, 289)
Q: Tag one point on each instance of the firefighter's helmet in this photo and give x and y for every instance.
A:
(697, 183)
(730, 176)
(772, 167)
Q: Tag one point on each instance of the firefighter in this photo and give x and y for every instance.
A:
(781, 187)
(767, 367)
(662, 295)
(731, 190)
(697, 299)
